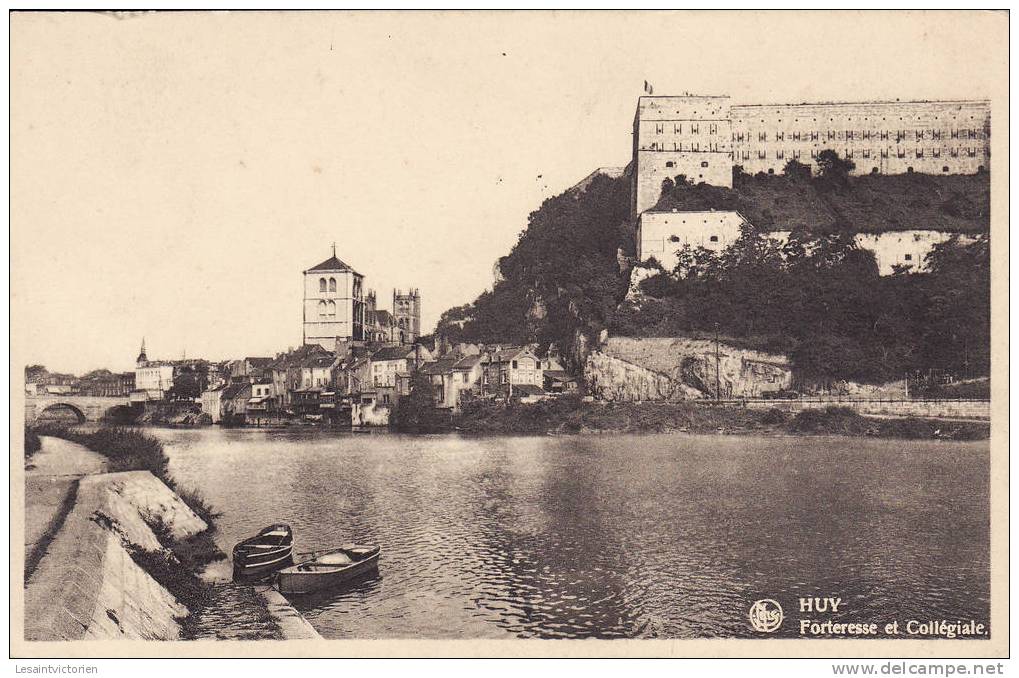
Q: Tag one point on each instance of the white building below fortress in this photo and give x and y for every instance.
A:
(661, 234)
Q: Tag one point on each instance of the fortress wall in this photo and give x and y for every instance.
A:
(889, 137)
(704, 137)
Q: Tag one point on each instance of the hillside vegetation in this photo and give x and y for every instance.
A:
(866, 204)
(561, 279)
(817, 297)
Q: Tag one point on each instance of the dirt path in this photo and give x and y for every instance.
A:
(51, 484)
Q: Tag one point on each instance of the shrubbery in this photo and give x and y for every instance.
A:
(130, 450)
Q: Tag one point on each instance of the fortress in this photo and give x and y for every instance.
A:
(705, 137)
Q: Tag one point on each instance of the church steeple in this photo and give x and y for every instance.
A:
(142, 358)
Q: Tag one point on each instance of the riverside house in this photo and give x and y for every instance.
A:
(509, 368)
(442, 377)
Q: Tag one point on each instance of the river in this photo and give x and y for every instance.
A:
(669, 536)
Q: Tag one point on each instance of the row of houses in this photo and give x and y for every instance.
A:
(350, 385)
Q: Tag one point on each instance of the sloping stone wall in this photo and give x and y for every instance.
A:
(87, 586)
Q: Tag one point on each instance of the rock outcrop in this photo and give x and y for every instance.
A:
(679, 368)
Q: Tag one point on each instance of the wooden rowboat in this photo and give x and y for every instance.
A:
(269, 550)
(329, 568)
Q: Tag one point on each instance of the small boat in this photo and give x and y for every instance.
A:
(328, 568)
(266, 552)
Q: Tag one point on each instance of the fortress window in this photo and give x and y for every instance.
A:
(771, 170)
(713, 238)
(909, 257)
(322, 309)
(332, 284)
(944, 168)
(919, 152)
(670, 164)
(849, 134)
(762, 136)
(659, 128)
(704, 163)
(909, 170)
(321, 284)
(695, 129)
(874, 170)
(677, 128)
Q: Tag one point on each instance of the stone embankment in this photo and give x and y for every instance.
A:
(84, 584)
(87, 586)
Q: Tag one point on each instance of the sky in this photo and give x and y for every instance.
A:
(173, 174)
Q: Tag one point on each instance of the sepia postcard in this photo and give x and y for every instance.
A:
(509, 333)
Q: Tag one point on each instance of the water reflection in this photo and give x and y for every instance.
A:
(621, 536)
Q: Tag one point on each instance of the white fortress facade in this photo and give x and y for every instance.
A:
(705, 137)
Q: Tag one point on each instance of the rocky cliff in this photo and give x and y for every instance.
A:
(679, 368)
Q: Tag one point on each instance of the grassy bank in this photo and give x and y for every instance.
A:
(572, 415)
(130, 450)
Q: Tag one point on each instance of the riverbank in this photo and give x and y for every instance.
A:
(573, 416)
(122, 555)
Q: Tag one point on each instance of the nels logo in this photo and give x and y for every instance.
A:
(766, 615)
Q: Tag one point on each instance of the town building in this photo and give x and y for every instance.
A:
(334, 303)
(234, 403)
(507, 369)
(442, 377)
(152, 378)
(391, 368)
(705, 137)
(106, 384)
(212, 403)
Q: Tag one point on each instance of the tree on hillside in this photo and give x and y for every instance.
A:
(794, 169)
(833, 171)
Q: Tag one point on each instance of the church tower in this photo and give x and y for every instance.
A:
(333, 303)
(407, 315)
(143, 359)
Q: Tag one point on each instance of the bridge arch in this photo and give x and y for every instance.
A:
(54, 410)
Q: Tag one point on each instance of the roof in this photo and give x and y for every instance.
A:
(237, 390)
(392, 353)
(527, 390)
(331, 264)
(259, 362)
(508, 354)
(318, 361)
(384, 317)
(467, 362)
(440, 366)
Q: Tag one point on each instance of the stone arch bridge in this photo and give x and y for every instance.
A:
(84, 408)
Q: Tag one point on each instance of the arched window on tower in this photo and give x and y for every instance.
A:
(332, 309)
(321, 284)
(332, 284)
(322, 309)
